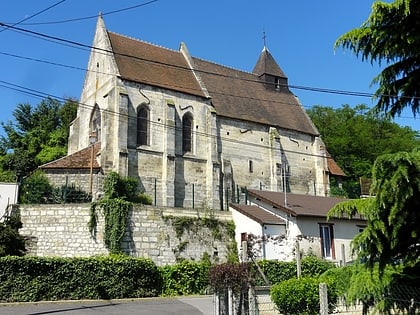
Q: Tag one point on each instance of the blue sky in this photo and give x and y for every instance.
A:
(300, 35)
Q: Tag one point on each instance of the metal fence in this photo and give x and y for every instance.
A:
(399, 300)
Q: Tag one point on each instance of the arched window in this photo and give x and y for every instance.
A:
(187, 137)
(95, 122)
(143, 126)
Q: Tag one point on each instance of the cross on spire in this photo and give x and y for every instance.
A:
(264, 39)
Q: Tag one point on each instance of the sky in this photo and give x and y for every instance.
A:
(299, 34)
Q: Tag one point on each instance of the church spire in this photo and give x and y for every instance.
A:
(268, 70)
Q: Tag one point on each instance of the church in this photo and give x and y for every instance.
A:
(193, 132)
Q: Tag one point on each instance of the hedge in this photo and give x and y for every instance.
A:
(278, 271)
(185, 278)
(301, 296)
(28, 279)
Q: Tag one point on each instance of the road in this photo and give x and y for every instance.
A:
(200, 305)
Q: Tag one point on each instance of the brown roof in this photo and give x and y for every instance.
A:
(234, 93)
(78, 160)
(267, 65)
(142, 62)
(241, 95)
(333, 167)
(258, 214)
(297, 205)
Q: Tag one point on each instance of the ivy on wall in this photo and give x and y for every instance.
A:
(221, 230)
(115, 208)
(115, 212)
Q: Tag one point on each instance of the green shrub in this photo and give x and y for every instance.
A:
(11, 242)
(313, 266)
(36, 189)
(186, 278)
(278, 271)
(300, 296)
(27, 279)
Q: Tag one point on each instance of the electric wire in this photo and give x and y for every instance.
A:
(312, 89)
(106, 51)
(91, 16)
(35, 14)
(251, 146)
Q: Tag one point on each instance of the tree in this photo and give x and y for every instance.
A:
(11, 242)
(355, 137)
(391, 35)
(392, 234)
(36, 136)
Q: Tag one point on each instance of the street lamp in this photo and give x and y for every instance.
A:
(92, 140)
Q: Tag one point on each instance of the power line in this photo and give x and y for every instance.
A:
(251, 146)
(106, 51)
(35, 14)
(91, 16)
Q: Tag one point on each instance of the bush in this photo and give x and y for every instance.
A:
(278, 271)
(36, 189)
(11, 242)
(231, 275)
(186, 278)
(300, 296)
(28, 279)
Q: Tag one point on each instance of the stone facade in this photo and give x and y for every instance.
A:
(62, 230)
(230, 147)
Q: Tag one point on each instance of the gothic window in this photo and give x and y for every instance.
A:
(143, 126)
(95, 122)
(187, 136)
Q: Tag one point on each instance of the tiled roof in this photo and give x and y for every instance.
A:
(235, 94)
(333, 167)
(267, 65)
(258, 214)
(241, 95)
(78, 160)
(297, 205)
(142, 62)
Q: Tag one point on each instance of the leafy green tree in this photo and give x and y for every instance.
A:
(392, 234)
(36, 136)
(355, 137)
(11, 242)
(391, 35)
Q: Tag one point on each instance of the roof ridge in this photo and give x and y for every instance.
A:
(143, 41)
(224, 66)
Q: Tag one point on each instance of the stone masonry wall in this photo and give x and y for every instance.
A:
(62, 230)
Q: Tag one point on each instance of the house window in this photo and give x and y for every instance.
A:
(143, 126)
(187, 137)
(327, 241)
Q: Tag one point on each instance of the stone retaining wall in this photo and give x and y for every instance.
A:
(62, 230)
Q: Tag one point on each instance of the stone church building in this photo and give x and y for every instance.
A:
(195, 133)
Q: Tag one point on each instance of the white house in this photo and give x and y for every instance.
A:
(292, 221)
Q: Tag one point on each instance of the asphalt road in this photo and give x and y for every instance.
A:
(200, 305)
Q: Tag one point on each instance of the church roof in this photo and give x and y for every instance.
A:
(234, 94)
(267, 65)
(142, 62)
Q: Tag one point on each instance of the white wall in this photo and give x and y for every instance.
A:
(8, 196)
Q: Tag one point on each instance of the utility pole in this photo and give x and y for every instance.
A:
(92, 140)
